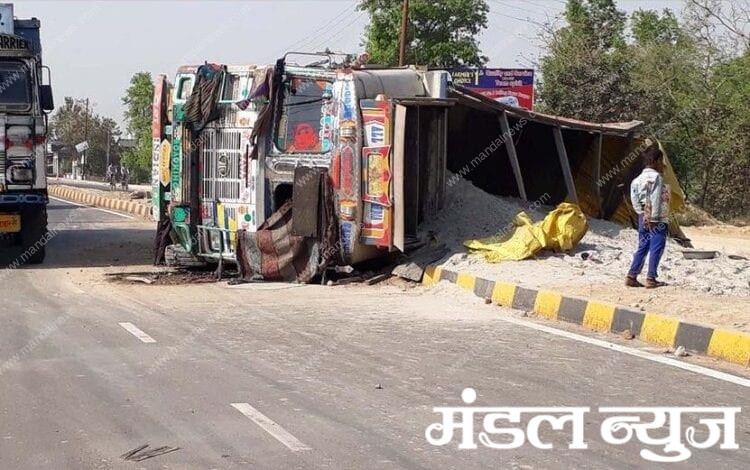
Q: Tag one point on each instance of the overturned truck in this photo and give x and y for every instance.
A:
(291, 169)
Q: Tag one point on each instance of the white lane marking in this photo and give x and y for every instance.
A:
(268, 425)
(633, 352)
(92, 207)
(137, 332)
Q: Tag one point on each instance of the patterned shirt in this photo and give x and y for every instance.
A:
(650, 195)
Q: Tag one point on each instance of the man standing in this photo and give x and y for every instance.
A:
(650, 197)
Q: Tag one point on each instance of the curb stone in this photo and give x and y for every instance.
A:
(121, 205)
(660, 330)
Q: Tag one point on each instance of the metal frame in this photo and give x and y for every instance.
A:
(565, 164)
(511, 147)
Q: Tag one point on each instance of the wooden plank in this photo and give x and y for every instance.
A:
(511, 147)
(598, 173)
(399, 202)
(565, 164)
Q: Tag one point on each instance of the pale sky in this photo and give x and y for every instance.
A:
(94, 47)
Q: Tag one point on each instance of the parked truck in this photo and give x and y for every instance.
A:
(25, 101)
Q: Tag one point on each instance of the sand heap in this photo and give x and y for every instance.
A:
(470, 213)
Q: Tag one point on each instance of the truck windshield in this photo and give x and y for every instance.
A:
(15, 89)
(305, 105)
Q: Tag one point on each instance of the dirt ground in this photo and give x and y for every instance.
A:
(724, 238)
(696, 307)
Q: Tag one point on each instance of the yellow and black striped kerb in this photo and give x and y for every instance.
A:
(121, 205)
(732, 346)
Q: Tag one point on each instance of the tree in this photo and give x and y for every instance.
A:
(586, 72)
(75, 122)
(138, 100)
(689, 82)
(441, 34)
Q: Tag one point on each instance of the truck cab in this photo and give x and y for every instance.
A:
(25, 101)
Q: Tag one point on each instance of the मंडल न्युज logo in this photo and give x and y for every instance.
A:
(615, 430)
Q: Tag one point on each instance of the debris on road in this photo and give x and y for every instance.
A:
(142, 279)
(681, 352)
(138, 454)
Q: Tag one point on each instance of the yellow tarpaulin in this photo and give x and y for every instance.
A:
(561, 230)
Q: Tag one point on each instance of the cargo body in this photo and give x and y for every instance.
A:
(25, 101)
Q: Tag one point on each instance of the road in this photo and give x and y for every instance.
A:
(273, 376)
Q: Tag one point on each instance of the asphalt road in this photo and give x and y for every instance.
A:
(276, 376)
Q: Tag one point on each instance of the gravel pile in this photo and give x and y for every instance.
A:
(470, 213)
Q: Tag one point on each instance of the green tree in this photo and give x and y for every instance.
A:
(440, 34)
(688, 81)
(586, 71)
(138, 100)
(75, 122)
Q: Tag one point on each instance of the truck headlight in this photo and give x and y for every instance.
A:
(215, 238)
(21, 175)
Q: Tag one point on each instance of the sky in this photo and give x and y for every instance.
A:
(94, 47)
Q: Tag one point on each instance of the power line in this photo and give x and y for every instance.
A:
(340, 32)
(337, 19)
(526, 20)
(333, 31)
(507, 5)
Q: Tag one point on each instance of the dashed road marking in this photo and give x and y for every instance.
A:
(137, 332)
(272, 428)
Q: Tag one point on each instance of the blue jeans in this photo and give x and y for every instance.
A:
(652, 242)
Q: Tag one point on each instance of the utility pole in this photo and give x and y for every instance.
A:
(109, 138)
(85, 139)
(404, 29)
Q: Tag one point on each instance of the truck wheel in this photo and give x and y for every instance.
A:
(34, 235)
(177, 256)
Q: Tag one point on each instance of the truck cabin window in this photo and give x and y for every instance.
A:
(303, 105)
(15, 89)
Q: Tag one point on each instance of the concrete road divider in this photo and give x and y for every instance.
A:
(84, 197)
(660, 330)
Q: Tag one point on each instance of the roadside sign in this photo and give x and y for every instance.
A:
(82, 147)
(509, 86)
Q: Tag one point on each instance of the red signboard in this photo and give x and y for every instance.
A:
(511, 86)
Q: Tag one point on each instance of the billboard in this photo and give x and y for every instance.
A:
(511, 86)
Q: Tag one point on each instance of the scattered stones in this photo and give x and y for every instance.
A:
(627, 334)
(681, 352)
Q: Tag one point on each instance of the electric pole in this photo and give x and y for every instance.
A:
(85, 139)
(404, 29)
(109, 138)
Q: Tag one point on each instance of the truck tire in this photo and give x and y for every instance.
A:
(177, 256)
(34, 235)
